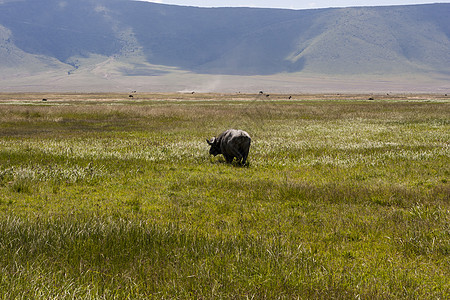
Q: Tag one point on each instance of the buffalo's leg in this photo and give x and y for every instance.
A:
(244, 158)
(228, 158)
(238, 155)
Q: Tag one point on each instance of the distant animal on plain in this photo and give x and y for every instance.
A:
(231, 144)
(131, 96)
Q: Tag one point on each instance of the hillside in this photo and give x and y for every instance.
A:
(122, 39)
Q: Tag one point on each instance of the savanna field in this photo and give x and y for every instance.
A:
(103, 196)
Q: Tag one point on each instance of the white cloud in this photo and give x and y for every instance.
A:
(62, 4)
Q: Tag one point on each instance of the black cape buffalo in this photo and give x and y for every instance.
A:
(231, 144)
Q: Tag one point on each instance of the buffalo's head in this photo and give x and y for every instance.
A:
(215, 149)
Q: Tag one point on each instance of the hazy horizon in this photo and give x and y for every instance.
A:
(291, 4)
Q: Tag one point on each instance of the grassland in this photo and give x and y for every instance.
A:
(107, 197)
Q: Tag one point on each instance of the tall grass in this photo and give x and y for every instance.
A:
(113, 198)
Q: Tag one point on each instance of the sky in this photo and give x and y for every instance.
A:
(292, 4)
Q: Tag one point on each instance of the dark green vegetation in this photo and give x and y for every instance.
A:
(103, 197)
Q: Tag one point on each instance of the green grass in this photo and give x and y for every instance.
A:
(103, 197)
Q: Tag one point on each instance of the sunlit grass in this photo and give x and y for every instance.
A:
(103, 197)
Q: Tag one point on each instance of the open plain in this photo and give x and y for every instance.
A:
(107, 196)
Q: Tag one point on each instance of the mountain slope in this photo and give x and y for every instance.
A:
(132, 38)
(13, 58)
